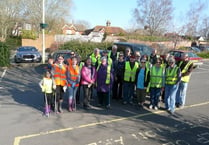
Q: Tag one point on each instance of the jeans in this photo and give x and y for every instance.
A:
(87, 91)
(181, 93)
(72, 93)
(154, 96)
(170, 97)
(128, 91)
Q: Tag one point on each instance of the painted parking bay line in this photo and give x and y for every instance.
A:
(3, 74)
(19, 138)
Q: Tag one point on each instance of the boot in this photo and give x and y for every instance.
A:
(46, 111)
(49, 107)
(59, 107)
(73, 105)
(70, 101)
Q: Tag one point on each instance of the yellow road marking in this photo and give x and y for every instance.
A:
(19, 138)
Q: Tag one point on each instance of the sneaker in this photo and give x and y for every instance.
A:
(156, 108)
(124, 102)
(99, 105)
(150, 106)
(131, 102)
(171, 112)
(181, 106)
(108, 107)
(47, 114)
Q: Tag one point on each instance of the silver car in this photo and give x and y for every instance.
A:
(27, 54)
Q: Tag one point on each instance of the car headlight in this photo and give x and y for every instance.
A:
(18, 55)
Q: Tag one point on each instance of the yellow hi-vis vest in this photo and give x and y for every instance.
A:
(171, 75)
(185, 78)
(130, 74)
(117, 54)
(109, 61)
(94, 59)
(107, 81)
(156, 77)
(47, 85)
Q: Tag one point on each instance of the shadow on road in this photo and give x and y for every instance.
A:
(21, 84)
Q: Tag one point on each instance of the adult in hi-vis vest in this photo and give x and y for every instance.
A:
(73, 79)
(129, 79)
(157, 80)
(186, 67)
(95, 57)
(59, 75)
(172, 79)
(104, 80)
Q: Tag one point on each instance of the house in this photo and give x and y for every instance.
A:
(70, 29)
(18, 27)
(108, 30)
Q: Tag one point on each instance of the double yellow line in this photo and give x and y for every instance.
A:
(19, 138)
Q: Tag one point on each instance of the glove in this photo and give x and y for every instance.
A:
(64, 88)
(54, 87)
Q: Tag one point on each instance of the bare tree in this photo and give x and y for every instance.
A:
(9, 12)
(56, 11)
(30, 11)
(154, 14)
(82, 25)
(193, 16)
(204, 28)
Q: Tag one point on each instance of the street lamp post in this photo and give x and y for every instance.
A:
(43, 32)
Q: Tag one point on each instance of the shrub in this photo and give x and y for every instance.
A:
(29, 34)
(203, 54)
(84, 48)
(4, 55)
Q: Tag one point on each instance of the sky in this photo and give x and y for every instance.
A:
(118, 12)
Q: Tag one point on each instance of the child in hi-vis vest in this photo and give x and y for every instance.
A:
(47, 85)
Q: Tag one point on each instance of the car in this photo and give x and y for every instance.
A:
(143, 49)
(65, 53)
(204, 47)
(27, 54)
(194, 49)
(197, 61)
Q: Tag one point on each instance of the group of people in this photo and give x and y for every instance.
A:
(116, 75)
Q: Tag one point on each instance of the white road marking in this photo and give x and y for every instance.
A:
(3, 74)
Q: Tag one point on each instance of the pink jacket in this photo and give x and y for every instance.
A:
(88, 75)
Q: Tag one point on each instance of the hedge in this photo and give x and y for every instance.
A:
(84, 48)
(4, 55)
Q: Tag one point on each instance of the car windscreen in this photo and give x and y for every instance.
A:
(65, 55)
(190, 54)
(143, 49)
(27, 49)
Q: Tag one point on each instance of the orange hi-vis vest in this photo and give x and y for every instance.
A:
(60, 74)
(74, 74)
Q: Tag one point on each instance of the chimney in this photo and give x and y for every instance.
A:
(108, 23)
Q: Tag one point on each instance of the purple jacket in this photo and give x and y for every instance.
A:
(88, 74)
(101, 78)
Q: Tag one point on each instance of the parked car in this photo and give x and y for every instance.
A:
(192, 56)
(143, 49)
(194, 49)
(27, 54)
(65, 53)
(204, 47)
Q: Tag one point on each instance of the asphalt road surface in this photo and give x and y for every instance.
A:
(22, 122)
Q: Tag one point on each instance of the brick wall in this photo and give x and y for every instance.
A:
(49, 42)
